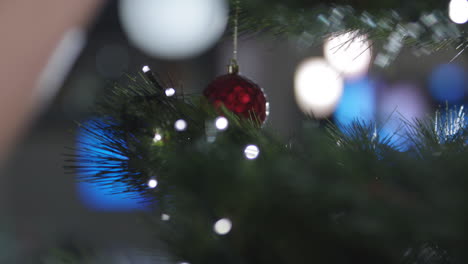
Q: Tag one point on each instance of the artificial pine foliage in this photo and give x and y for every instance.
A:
(331, 195)
(422, 26)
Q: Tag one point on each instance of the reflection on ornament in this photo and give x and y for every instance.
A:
(223, 226)
(238, 94)
(349, 53)
(173, 29)
(458, 11)
(318, 87)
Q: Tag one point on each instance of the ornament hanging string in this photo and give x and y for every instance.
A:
(234, 67)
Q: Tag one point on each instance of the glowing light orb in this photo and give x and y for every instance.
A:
(448, 83)
(357, 102)
(349, 53)
(180, 125)
(157, 137)
(169, 92)
(251, 152)
(221, 123)
(173, 29)
(318, 87)
(223, 226)
(401, 102)
(145, 69)
(153, 183)
(458, 11)
(165, 217)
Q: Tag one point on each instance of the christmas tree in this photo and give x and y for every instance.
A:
(222, 188)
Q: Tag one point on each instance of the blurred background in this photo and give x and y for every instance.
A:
(42, 207)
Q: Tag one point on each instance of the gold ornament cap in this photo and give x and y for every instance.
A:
(233, 68)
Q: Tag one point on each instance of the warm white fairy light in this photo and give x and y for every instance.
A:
(318, 87)
(170, 92)
(223, 226)
(157, 137)
(251, 152)
(349, 53)
(146, 69)
(180, 125)
(153, 183)
(458, 11)
(165, 217)
(221, 123)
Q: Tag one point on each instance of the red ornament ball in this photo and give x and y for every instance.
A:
(238, 94)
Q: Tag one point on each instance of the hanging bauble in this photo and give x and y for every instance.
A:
(238, 94)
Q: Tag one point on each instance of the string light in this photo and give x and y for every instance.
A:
(223, 226)
(165, 217)
(145, 69)
(221, 123)
(180, 125)
(170, 92)
(251, 152)
(153, 183)
(157, 137)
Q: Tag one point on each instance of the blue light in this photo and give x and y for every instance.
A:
(357, 102)
(448, 83)
(92, 153)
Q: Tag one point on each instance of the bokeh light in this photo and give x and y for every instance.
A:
(357, 102)
(349, 53)
(221, 123)
(251, 152)
(93, 195)
(458, 11)
(180, 125)
(318, 87)
(397, 103)
(223, 226)
(173, 29)
(448, 83)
